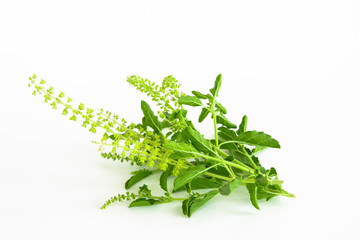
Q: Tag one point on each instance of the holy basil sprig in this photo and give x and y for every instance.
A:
(168, 145)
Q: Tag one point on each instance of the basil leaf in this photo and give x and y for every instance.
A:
(181, 150)
(189, 174)
(198, 140)
(204, 113)
(149, 117)
(262, 180)
(200, 95)
(190, 100)
(258, 139)
(217, 85)
(144, 202)
(201, 183)
(272, 172)
(138, 176)
(261, 194)
(226, 134)
(229, 187)
(258, 149)
(224, 121)
(199, 202)
(252, 188)
(164, 176)
(242, 126)
(221, 108)
(186, 204)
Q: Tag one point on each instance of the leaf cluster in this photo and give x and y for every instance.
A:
(167, 144)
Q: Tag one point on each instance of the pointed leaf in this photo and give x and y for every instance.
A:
(221, 108)
(242, 126)
(217, 85)
(221, 119)
(252, 188)
(186, 204)
(149, 117)
(189, 174)
(190, 100)
(144, 202)
(199, 202)
(204, 113)
(164, 176)
(258, 149)
(200, 95)
(226, 134)
(138, 176)
(181, 150)
(258, 139)
(198, 140)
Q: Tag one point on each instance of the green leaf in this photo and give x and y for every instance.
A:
(226, 134)
(198, 140)
(242, 126)
(204, 113)
(149, 117)
(199, 202)
(219, 170)
(258, 149)
(221, 108)
(272, 172)
(200, 95)
(202, 183)
(181, 150)
(262, 181)
(261, 194)
(258, 139)
(217, 85)
(34, 76)
(224, 121)
(186, 205)
(105, 137)
(144, 202)
(138, 176)
(189, 174)
(164, 176)
(190, 100)
(229, 187)
(252, 188)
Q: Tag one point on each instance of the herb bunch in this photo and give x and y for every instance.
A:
(170, 144)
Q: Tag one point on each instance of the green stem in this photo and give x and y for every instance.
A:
(215, 123)
(72, 109)
(244, 168)
(218, 176)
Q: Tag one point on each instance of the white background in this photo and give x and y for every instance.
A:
(291, 66)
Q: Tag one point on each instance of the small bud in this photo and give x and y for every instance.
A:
(81, 106)
(73, 118)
